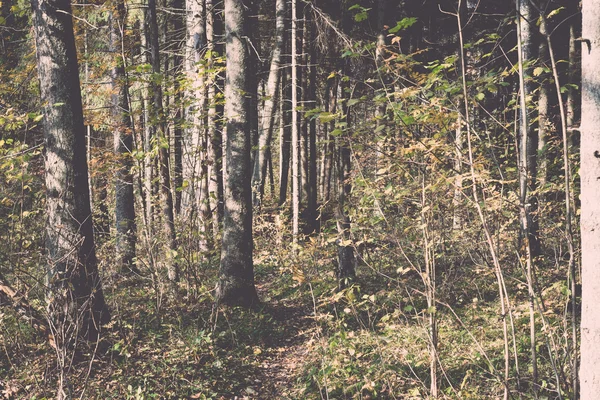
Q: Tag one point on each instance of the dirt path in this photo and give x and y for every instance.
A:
(283, 357)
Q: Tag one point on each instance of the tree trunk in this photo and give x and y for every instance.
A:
(590, 207)
(544, 123)
(527, 136)
(158, 115)
(295, 132)
(123, 145)
(284, 135)
(215, 153)
(236, 275)
(74, 287)
(346, 259)
(268, 120)
(195, 110)
(527, 168)
(149, 136)
(574, 65)
(311, 103)
(178, 6)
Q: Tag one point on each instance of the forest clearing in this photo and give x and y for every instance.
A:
(300, 199)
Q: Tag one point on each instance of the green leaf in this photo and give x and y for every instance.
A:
(361, 16)
(538, 71)
(403, 24)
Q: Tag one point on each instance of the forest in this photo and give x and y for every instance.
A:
(300, 199)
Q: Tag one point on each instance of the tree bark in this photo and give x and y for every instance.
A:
(177, 25)
(346, 271)
(195, 109)
(527, 168)
(284, 135)
(74, 285)
(236, 274)
(295, 132)
(215, 150)
(123, 144)
(590, 207)
(311, 103)
(528, 140)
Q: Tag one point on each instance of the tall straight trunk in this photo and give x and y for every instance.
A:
(329, 148)
(178, 6)
(295, 133)
(543, 120)
(236, 274)
(215, 153)
(346, 258)
(589, 372)
(574, 64)
(325, 159)
(254, 64)
(527, 169)
(381, 106)
(159, 128)
(303, 93)
(149, 134)
(122, 145)
(196, 157)
(528, 140)
(268, 120)
(311, 103)
(194, 136)
(73, 284)
(458, 179)
(284, 134)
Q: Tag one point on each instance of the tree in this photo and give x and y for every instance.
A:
(268, 121)
(590, 213)
(236, 274)
(295, 133)
(527, 145)
(196, 107)
(123, 144)
(159, 132)
(75, 297)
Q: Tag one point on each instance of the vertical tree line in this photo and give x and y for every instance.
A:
(430, 147)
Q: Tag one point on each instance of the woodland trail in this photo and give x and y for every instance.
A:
(282, 357)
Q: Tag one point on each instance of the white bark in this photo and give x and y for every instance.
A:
(590, 207)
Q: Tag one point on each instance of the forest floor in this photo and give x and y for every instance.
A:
(281, 360)
(159, 348)
(305, 341)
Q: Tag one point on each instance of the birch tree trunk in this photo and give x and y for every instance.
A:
(236, 274)
(196, 104)
(215, 153)
(76, 301)
(590, 207)
(123, 144)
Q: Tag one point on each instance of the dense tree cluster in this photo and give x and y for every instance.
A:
(419, 176)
